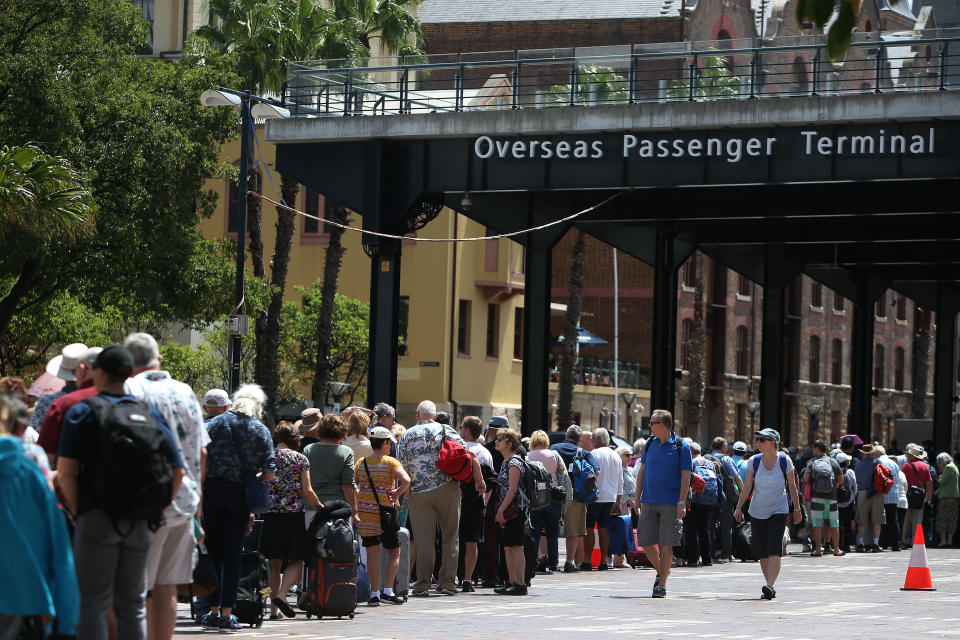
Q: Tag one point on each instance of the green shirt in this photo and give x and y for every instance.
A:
(331, 467)
(949, 482)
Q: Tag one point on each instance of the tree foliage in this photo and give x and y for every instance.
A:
(568, 358)
(595, 86)
(72, 83)
(713, 81)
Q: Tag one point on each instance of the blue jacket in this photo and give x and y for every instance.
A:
(37, 561)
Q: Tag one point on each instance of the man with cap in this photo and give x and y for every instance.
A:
(846, 508)
(64, 366)
(890, 535)
(575, 517)
(739, 458)
(309, 427)
(53, 422)
(918, 476)
(107, 562)
(173, 552)
(215, 403)
(869, 502)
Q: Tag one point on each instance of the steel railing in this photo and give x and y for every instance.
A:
(684, 72)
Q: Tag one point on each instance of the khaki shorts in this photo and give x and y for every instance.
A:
(869, 509)
(575, 519)
(659, 524)
(172, 555)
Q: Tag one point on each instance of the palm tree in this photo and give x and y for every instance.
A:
(265, 35)
(578, 260)
(715, 81)
(393, 22)
(42, 195)
(595, 86)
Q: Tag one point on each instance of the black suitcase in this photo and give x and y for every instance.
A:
(251, 592)
(330, 589)
(530, 558)
(741, 542)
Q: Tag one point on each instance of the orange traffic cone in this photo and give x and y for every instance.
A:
(595, 558)
(918, 573)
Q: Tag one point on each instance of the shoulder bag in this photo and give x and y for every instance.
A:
(916, 496)
(257, 493)
(389, 519)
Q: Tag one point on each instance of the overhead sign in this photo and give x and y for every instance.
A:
(731, 148)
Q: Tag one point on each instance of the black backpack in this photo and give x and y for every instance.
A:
(134, 477)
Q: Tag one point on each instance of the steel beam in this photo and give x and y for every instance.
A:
(944, 375)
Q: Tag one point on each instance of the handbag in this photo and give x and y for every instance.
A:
(257, 493)
(389, 519)
(916, 496)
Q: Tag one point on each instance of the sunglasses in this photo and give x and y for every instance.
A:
(764, 439)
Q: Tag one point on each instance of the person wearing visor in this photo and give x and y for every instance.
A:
(770, 475)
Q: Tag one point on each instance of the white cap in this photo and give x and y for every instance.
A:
(216, 398)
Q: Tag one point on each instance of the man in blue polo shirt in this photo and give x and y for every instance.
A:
(662, 484)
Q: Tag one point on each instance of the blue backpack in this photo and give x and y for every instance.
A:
(713, 491)
(583, 477)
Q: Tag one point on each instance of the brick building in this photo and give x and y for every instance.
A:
(817, 338)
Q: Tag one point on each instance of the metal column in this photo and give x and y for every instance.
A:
(776, 275)
(861, 365)
(384, 313)
(663, 366)
(944, 389)
(536, 334)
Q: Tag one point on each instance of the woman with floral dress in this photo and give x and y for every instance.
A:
(284, 540)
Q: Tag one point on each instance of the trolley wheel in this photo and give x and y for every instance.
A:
(351, 616)
(309, 615)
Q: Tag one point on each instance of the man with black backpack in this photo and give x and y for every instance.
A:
(824, 476)
(119, 467)
(732, 485)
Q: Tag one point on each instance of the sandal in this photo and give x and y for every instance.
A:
(839, 553)
(816, 554)
(284, 607)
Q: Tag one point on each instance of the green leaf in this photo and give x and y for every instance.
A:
(841, 32)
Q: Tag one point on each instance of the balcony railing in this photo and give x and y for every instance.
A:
(649, 73)
(599, 373)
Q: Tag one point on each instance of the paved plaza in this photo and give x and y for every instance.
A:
(855, 596)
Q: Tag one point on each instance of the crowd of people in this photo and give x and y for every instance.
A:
(121, 476)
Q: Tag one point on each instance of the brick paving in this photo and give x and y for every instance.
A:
(862, 592)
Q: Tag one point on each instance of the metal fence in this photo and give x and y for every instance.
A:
(688, 72)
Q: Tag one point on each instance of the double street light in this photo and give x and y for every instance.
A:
(237, 323)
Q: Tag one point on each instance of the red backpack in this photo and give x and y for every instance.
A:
(882, 479)
(453, 459)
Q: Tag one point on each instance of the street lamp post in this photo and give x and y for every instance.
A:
(337, 389)
(237, 324)
(628, 397)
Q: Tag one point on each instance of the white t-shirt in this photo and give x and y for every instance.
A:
(549, 459)
(610, 476)
(477, 449)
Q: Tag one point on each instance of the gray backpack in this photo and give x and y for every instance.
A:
(822, 479)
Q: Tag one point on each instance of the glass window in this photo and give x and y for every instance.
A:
(493, 329)
(901, 308)
(837, 301)
(814, 359)
(743, 351)
(518, 333)
(816, 294)
(836, 362)
(743, 285)
(878, 380)
(463, 327)
(898, 368)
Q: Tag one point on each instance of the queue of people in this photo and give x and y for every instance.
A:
(137, 516)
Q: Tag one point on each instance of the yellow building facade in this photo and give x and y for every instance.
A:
(464, 300)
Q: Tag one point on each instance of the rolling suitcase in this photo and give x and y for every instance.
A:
(253, 586)
(330, 590)
(401, 586)
(621, 535)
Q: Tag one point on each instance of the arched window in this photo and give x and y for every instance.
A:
(686, 334)
(743, 351)
(723, 34)
(901, 308)
(816, 294)
(814, 358)
(868, 27)
(837, 301)
(690, 271)
(878, 367)
(836, 361)
(898, 366)
(799, 72)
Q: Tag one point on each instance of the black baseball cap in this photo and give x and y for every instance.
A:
(116, 360)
